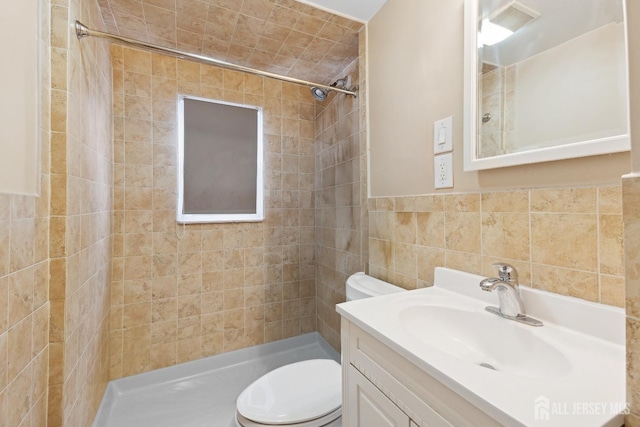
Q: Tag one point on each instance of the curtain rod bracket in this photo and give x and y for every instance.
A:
(81, 30)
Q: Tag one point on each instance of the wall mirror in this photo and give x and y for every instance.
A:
(544, 80)
(220, 156)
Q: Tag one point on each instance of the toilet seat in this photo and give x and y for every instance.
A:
(302, 394)
(318, 422)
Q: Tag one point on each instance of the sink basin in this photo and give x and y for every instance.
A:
(485, 340)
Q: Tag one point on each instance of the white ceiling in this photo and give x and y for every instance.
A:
(360, 10)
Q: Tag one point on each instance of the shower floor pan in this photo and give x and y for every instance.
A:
(201, 393)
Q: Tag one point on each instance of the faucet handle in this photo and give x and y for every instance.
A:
(507, 273)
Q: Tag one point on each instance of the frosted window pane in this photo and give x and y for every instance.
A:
(221, 146)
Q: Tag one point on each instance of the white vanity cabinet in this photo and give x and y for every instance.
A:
(383, 389)
(369, 406)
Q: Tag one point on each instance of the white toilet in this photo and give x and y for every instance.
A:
(307, 393)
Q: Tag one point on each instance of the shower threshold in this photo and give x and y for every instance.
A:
(201, 393)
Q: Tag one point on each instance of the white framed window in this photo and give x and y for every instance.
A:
(220, 161)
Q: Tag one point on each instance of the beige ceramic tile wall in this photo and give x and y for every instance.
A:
(631, 204)
(80, 228)
(566, 240)
(181, 293)
(491, 132)
(498, 97)
(24, 284)
(281, 36)
(340, 201)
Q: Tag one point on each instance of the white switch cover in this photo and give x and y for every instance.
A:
(443, 136)
(443, 170)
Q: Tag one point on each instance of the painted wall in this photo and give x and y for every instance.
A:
(19, 114)
(415, 50)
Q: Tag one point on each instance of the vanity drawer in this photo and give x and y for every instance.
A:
(427, 401)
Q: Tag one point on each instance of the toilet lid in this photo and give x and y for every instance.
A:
(293, 393)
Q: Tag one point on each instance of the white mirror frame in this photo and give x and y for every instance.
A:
(594, 147)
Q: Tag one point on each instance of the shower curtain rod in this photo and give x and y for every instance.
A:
(82, 31)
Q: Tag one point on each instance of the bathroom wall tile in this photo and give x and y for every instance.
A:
(469, 262)
(610, 200)
(564, 240)
(569, 200)
(428, 259)
(405, 259)
(462, 229)
(405, 204)
(631, 203)
(502, 234)
(468, 202)
(19, 341)
(189, 271)
(4, 304)
(22, 246)
(137, 61)
(430, 229)
(20, 295)
(163, 66)
(137, 84)
(79, 237)
(579, 284)
(233, 339)
(612, 290)
(506, 235)
(507, 201)
(381, 253)
(633, 359)
(631, 198)
(632, 420)
(384, 204)
(632, 260)
(429, 203)
(405, 227)
(611, 245)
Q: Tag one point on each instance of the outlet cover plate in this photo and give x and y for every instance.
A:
(443, 170)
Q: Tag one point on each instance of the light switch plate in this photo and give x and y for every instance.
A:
(443, 136)
(443, 170)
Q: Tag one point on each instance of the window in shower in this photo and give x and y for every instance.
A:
(220, 162)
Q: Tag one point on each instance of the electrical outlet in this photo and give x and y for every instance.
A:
(443, 170)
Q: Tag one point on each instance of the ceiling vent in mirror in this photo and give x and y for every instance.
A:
(513, 16)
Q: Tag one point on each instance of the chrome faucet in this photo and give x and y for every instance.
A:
(510, 304)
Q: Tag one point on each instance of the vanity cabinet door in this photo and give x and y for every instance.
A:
(369, 407)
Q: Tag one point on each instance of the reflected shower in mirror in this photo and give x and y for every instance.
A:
(549, 74)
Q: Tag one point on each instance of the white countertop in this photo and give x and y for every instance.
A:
(589, 391)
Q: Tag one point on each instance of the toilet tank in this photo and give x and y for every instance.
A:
(360, 285)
